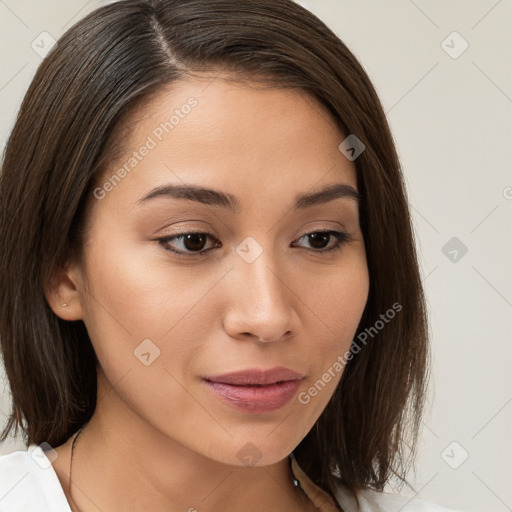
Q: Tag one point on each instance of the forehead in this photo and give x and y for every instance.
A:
(241, 137)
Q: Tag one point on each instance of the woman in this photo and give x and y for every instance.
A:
(210, 295)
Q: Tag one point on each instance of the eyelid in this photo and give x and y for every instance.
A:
(343, 237)
(331, 226)
(186, 230)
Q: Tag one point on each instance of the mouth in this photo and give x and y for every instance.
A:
(255, 390)
(257, 377)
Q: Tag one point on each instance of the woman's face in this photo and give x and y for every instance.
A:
(250, 291)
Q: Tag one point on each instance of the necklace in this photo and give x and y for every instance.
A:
(71, 466)
(295, 480)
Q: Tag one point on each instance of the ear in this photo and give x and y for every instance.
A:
(65, 293)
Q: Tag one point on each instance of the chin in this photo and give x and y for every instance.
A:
(252, 451)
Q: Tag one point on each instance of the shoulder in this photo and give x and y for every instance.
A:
(28, 483)
(374, 501)
(368, 500)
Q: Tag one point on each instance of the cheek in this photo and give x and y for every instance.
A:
(140, 303)
(136, 290)
(141, 317)
(339, 297)
(340, 303)
(338, 306)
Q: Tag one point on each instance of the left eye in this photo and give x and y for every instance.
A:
(319, 237)
(194, 242)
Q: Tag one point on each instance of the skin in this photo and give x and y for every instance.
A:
(159, 439)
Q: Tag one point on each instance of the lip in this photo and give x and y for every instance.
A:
(256, 390)
(256, 376)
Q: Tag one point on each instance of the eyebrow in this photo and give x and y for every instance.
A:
(213, 197)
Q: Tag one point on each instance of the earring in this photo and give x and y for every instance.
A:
(64, 305)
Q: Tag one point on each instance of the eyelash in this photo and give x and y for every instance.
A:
(342, 237)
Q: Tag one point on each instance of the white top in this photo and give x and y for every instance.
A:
(28, 483)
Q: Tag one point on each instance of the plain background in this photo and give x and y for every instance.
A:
(450, 109)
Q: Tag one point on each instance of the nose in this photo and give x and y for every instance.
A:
(262, 303)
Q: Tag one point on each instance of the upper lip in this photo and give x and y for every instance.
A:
(256, 376)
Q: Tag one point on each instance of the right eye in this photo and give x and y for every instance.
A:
(191, 243)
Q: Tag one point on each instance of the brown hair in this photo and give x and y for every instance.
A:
(99, 72)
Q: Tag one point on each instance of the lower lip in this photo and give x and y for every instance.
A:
(256, 399)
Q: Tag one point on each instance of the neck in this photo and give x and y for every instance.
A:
(121, 462)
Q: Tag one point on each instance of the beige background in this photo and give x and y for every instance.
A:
(451, 114)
